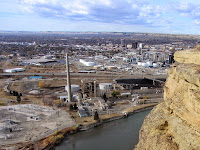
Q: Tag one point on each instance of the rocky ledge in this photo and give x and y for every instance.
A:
(175, 123)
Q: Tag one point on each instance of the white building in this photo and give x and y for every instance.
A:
(74, 88)
(86, 63)
(105, 86)
(141, 45)
(14, 70)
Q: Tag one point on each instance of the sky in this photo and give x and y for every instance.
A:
(151, 16)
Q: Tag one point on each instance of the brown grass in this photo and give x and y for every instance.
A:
(131, 109)
(82, 120)
(3, 103)
(121, 103)
(56, 137)
(108, 116)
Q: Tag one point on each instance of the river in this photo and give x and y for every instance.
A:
(121, 134)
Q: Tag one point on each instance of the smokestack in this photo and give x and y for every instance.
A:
(68, 80)
(95, 89)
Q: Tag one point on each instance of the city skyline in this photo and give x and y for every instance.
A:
(164, 16)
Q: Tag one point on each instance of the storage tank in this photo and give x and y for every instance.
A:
(149, 63)
(74, 88)
(89, 64)
(105, 86)
(82, 60)
(144, 64)
(155, 65)
(125, 59)
(139, 64)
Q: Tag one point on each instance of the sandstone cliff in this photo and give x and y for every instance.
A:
(175, 123)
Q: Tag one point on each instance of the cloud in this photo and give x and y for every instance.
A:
(197, 22)
(185, 7)
(150, 13)
(165, 15)
(191, 10)
(107, 11)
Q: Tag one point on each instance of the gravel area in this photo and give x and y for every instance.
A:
(28, 122)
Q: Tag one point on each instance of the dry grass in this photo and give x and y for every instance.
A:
(82, 120)
(15, 86)
(121, 103)
(55, 83)
(29, 100)
(3, 103)
(131, 109)
(108, 116)
(56, 137)
(7, 95)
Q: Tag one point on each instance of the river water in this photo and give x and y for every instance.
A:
(121, 134)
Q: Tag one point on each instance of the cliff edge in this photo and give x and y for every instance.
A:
(175, 123)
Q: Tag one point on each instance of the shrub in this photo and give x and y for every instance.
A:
(70, 107)
(41, 84)
(115, 93)
(96, 116)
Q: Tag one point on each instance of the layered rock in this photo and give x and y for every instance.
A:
(175, 123)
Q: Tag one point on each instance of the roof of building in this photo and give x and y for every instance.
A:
(82, 113)
(35, 77)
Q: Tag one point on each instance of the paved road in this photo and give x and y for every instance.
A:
(113, 75)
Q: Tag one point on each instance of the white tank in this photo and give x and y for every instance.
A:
(105, 86)
(139, 64)
(74, 88)
(149, 63)
(155, 65)
(125, 59)
(144, 64)
(82, 60)
(89, 64)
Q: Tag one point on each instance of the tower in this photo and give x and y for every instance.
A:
(122, 42)
(171, 58)
(134, 45)
(141, 45)
(68, 80)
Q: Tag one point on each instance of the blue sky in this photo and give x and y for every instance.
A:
(153, 16)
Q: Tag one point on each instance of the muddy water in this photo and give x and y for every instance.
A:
(117, 135)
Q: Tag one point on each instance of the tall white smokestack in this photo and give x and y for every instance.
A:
(68, 80)
(95, 89)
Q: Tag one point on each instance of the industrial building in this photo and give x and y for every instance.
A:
(14, 70)
(87, 63)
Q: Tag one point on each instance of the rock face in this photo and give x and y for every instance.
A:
(175, 123)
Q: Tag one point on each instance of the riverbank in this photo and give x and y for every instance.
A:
(112, 117)
(54, 139)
